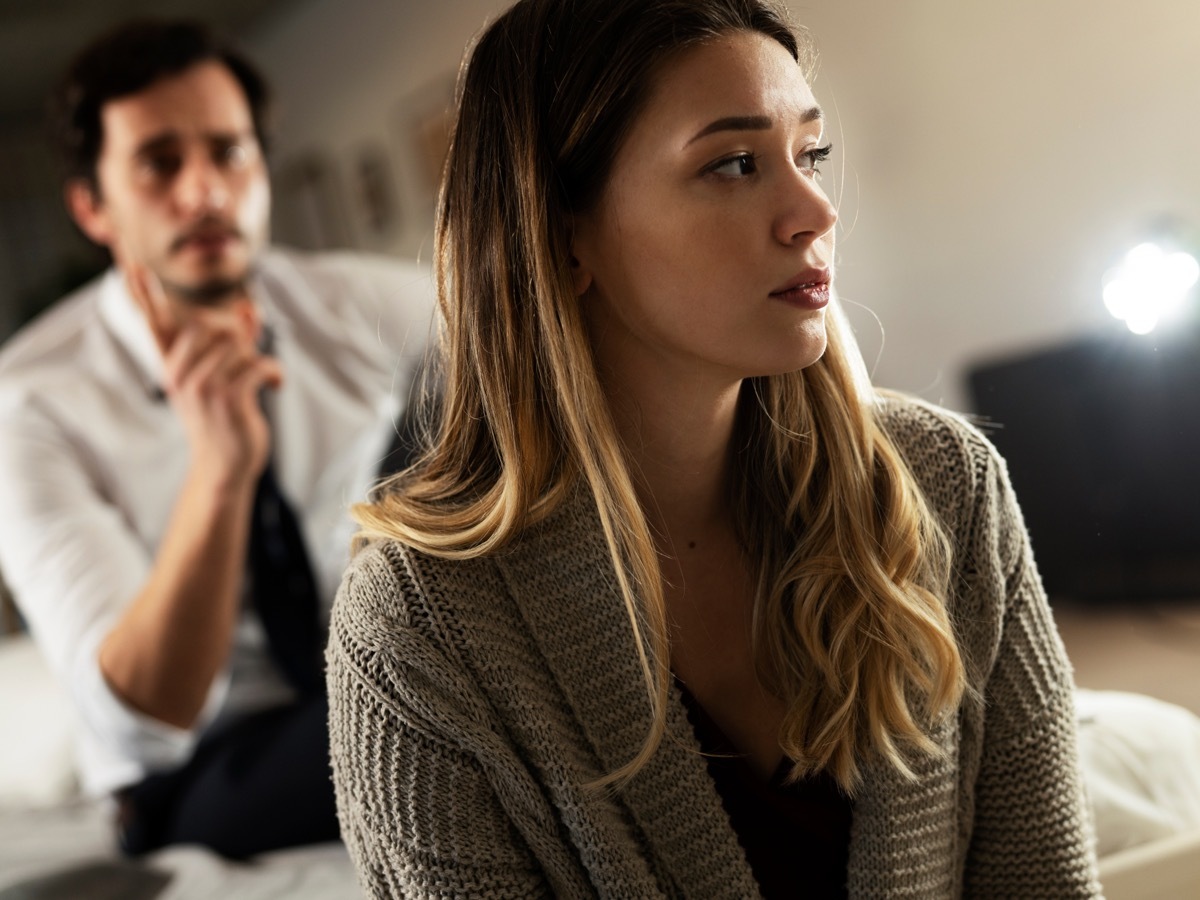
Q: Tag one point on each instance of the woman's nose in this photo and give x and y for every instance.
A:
(806, 213)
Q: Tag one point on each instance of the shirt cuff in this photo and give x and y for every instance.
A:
(130, 735)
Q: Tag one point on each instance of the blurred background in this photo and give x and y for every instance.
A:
(994, 163)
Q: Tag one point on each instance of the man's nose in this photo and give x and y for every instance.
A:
(201, 187)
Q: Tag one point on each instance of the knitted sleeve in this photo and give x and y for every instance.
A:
(409, 748)
(1032, 835)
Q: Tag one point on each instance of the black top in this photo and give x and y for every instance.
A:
(796, 836)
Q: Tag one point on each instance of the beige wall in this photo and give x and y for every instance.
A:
(997, 157)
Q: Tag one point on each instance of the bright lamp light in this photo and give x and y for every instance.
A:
(1149, 285)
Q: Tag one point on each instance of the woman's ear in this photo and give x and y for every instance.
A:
(581, 270)
(581, 277)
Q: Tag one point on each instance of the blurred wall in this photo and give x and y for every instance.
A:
(356, 77)
(41, 254)
(993, 159)
(999, 158)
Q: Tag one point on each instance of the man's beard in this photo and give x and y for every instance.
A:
(212, 292)
(215, 290)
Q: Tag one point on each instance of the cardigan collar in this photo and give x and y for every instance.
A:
(594, 659)
(592, 654)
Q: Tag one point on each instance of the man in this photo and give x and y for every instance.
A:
(179, 441)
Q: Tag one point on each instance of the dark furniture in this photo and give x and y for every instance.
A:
(1102, 438)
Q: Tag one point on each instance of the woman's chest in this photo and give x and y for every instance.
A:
(710, 612)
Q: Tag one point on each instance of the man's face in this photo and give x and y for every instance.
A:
(183, 186)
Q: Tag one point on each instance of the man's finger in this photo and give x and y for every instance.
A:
(150, 296)
(272, 372)
(191, 346)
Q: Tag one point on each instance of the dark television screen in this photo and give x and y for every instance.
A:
(1102, 439)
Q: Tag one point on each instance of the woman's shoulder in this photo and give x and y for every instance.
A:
(950, 457)
(392, 586)
(931, 435)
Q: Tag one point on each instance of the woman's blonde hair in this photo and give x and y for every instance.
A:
(850, 630)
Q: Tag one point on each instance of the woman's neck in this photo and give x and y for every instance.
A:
(678, 438)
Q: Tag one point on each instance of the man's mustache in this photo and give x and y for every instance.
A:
(206, 229)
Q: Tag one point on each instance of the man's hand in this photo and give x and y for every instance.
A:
(213, 374)
(170, 643)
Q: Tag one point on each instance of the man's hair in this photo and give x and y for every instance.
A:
(129, 59)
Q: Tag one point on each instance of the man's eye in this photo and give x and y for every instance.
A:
(232, 155)
(735, 166)
(160, 165)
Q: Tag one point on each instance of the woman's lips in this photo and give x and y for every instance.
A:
(810, 290)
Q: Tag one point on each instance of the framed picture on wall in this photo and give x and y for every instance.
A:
(425, 120)
(309, 212)
(374, 189)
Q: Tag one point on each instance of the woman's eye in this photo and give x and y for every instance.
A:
(812, 159)
(735, 166)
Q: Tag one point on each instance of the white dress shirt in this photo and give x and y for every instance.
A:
(92, 459)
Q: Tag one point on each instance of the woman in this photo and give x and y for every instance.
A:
(663, 513)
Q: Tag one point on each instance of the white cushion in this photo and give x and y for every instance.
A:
(1141, 766)
(37, 763)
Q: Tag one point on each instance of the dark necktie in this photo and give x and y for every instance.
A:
(285, 593)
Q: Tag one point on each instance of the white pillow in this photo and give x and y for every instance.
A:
(1141, 766)
(37, 762)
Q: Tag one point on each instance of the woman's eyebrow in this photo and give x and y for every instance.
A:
(751, 123)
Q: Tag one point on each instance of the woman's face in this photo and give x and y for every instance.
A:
(709, 253)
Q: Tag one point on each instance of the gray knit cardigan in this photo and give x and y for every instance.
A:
(471, 700)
